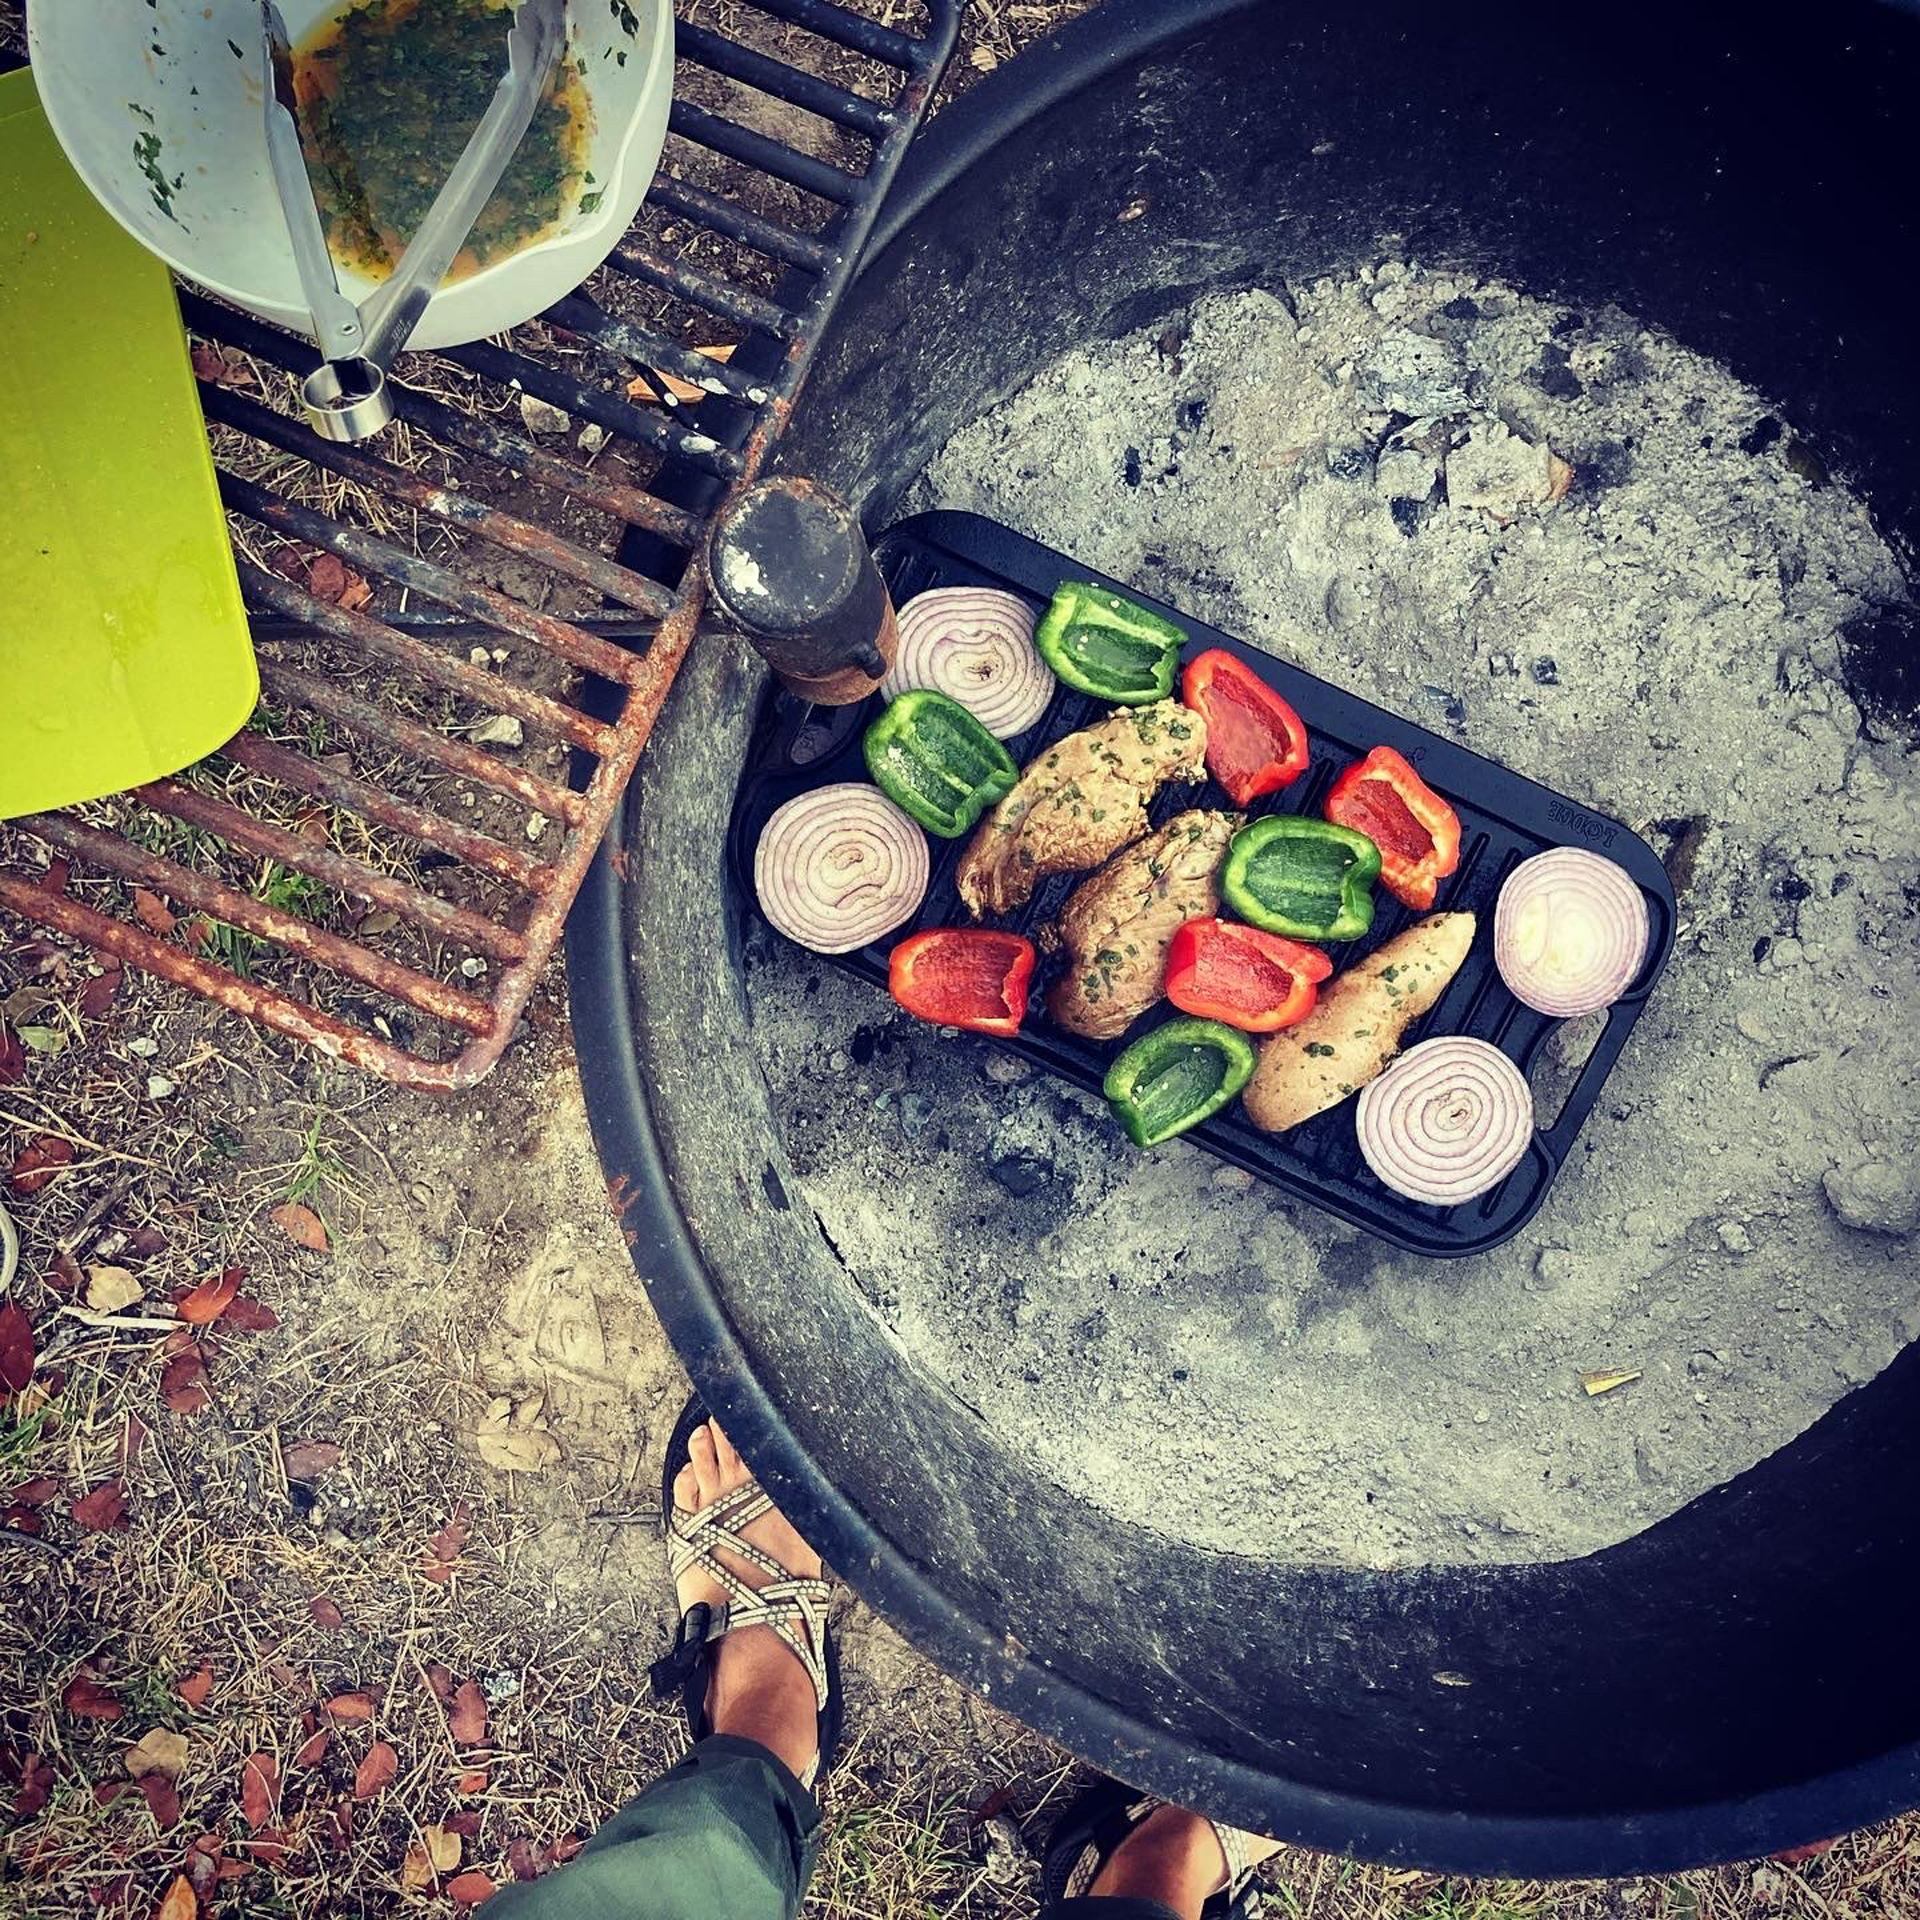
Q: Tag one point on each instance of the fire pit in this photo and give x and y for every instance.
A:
(994, 1365)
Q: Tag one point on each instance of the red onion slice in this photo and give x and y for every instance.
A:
(1448, 1121)
(975, 645)
(1569, 933)
(840, 867)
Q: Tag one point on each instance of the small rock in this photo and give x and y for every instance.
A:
(473, 966)
(1409, 373)
(1006, 1069)
(593, 437)
(1753, 1028)
(1502, 665)
(536, 825)
(479, 657)
(542, 417)
(839, 1060)
(1405, 473)
(1481, 1415)
(1232, 1180)
(144, 1048)
(159, 1087)
(1020, 1174)
(916, 1110)
(500, 730)
(1498, 472)
(1733, 1236)
(1002, 1853)
(1546, 671)
(1875, 1196)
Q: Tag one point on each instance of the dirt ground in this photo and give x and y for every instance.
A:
(330, 1572)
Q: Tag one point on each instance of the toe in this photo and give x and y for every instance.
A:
(706, 1468)
(732, 1471)
(686, 1491)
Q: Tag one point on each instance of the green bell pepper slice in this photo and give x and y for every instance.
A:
(1307, 879)
(1101, 643)
(1175, 1077)
(935, 761)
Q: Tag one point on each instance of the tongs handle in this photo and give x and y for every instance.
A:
(346, 395)
(533, 50)
(337, 325)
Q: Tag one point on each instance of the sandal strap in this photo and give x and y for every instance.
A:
(793, 1606)
(1233, 1844)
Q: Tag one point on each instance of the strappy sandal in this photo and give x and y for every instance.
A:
(794, 1607)
(1088, 1834)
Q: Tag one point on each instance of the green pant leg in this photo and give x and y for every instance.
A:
(728, 1834)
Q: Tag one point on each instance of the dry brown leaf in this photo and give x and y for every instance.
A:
(642, 389)
(40, 1161)
(326, 1612)
(211, 1298)
(475, 1782)
(376, 1771)
(152, 912)
(515, 1439)
(111, 1288)
(161, 1752)
(309, 1459)
(469, 1889)
(434, 1855)
(301, 1225)
(259, 1789)
(349, 1706)
(315, 1750)
(179, 1903)
(194, 1690)
(467, 1720)
(183, 1382)
(104, 1510)
(84, 1697)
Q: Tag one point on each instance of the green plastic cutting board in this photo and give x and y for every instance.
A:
(124, 651)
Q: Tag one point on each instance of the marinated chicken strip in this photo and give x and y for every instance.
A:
(1118, 925)
(1080, 802)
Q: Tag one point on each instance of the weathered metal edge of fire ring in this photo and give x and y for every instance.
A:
(646, 684)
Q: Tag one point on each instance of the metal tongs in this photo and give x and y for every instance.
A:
(346, 395)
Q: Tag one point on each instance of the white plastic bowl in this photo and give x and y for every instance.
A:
(158, 105)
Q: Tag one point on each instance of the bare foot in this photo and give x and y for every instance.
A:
(759, 1690)
(1174, 1857)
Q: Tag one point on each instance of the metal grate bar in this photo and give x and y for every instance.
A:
(460, 510)
(739, 223)
(486, 690)
(745, 309)
(373, 555)
(755, 150)
(808, 91)
(341, 871)
(853, 31)
(653, 351)
(133, 947)
(647, 425)
(396, 730)
(668, 465)
(432, 829)
(222, 902)
(482, 436)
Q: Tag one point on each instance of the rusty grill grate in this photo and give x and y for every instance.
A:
(381, 864)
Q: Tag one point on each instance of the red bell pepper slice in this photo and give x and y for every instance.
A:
(1255, 741)
(972, 977)
(1417, 833)
(1242, 976)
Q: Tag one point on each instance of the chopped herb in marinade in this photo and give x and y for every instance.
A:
(390, 92)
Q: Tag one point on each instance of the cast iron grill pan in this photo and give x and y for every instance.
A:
(1504, 819)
